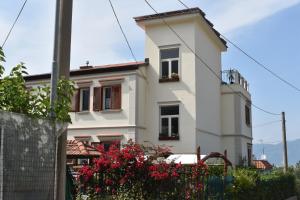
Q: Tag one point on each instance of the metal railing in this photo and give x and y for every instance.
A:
(232, 76)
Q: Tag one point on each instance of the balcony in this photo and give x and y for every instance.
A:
(233, 77)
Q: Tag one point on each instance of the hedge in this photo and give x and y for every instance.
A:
(252, 184)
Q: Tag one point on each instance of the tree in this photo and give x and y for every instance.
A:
(34, 102)
(298, 164)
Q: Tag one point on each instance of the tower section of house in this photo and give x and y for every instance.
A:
(183, 98)
(236, 118)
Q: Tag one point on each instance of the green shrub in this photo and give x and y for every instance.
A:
(245, 184)
(274, 185)
(216, 170)
(297, 175)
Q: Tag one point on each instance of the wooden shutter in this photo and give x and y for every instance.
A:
(97, 103)
(75, 101)
(116, 97)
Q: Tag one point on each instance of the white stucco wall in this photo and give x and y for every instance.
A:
(105, 122)
(182, 92)
(141, 100)
(236, 133)
(208, 97)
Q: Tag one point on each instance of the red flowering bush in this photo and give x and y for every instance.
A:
(163, 171)
(129, 172)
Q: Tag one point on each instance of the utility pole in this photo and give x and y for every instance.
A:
(61, 69)
(285, 155)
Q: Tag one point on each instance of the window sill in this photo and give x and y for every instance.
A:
(163, 138)
(111, 111)
(166, 80)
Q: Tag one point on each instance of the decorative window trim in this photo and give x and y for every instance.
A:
(110, 138)
(111, 81)
(169, 103)
(111, 111)
(84, 84)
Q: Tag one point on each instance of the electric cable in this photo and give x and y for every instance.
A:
(203, 62)
(122, 30)
(268, 69)
(13, 25)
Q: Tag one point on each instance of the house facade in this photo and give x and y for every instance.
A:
(175, 97)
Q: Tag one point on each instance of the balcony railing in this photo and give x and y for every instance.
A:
(232, 76)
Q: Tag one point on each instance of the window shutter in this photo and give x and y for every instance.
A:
(75, 101)
(116, 98)
(97, 103)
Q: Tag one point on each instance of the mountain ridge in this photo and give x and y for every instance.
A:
(274, 152)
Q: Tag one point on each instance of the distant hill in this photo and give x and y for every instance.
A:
(274, 152)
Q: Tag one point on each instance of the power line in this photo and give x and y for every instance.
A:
(115, 14)
(13, 25)
(206, 65)
(253, 59)
(267, 123)
(262, 65)
(183, 4)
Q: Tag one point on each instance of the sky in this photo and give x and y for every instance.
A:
(267, 29)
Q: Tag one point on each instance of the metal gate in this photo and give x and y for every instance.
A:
(215, 187)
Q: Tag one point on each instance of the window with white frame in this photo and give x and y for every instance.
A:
(85, 99)
(169, 59)
(169, 122)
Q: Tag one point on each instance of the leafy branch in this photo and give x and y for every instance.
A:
(15, 96)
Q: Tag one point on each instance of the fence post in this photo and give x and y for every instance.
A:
(1, 160)
(198, 154)
(225, 163)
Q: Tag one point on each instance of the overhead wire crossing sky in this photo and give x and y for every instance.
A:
(203, 62)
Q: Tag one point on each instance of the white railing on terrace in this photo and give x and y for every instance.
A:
(232, 76)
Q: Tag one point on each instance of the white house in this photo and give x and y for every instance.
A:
(175, 97)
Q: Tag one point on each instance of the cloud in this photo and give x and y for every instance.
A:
(234, 14)
(96, 36)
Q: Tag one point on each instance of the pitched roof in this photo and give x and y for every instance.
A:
(86, 70)
(178, 13)
(262, 164)
(78, 148)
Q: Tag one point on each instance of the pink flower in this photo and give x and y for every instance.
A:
(98, 189)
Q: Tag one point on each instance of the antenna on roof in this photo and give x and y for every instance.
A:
(87, 66)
